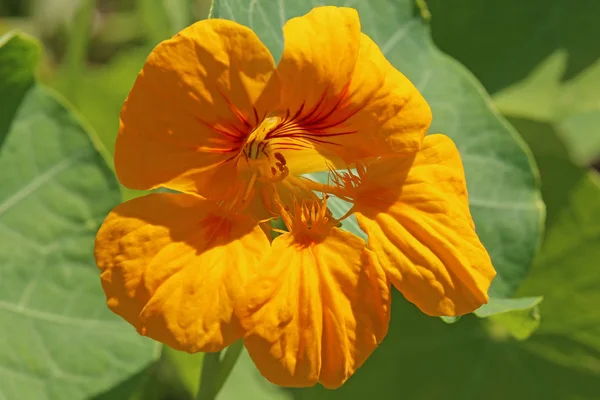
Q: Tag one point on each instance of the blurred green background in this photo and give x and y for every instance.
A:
(540, 62)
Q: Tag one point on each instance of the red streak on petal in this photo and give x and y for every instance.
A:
(316, 125)
(232, 158)
(235, 136)
(240, 116)
(216, 150)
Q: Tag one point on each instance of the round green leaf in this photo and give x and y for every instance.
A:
(59, 340)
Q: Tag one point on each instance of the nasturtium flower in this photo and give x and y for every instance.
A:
(212, 117)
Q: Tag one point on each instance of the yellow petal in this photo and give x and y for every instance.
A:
(316, 311)
(416, 214)
(173, 266)
(197, 98)
(345, 101)
(390, 103)
(319, 56)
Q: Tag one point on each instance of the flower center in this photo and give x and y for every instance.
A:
(264, 162)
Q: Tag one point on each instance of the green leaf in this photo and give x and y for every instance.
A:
(571, 106)
(545, 67)
(582, 133)
(59, 340)
(502, 181)
(520, 324)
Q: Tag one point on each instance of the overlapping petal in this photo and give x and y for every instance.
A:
(315, 311)
(173, 266)
(192, 107)
(348, 101)
(416, 214)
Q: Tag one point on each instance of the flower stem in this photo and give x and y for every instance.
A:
(208, 376)
(215, 371)
(77, 46)
(228, 362)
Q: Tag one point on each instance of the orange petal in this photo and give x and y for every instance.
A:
(319, 56)
(315, 312)
(387, 101)
(192, 106)
(173, 265)
(346, 98)
(416, 214)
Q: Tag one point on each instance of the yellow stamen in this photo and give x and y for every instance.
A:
(342, 184)
(259, 156)
(310, 220)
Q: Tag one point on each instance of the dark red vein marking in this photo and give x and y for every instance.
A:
(240, 116)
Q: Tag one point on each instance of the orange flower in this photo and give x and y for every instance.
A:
(212, 117)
